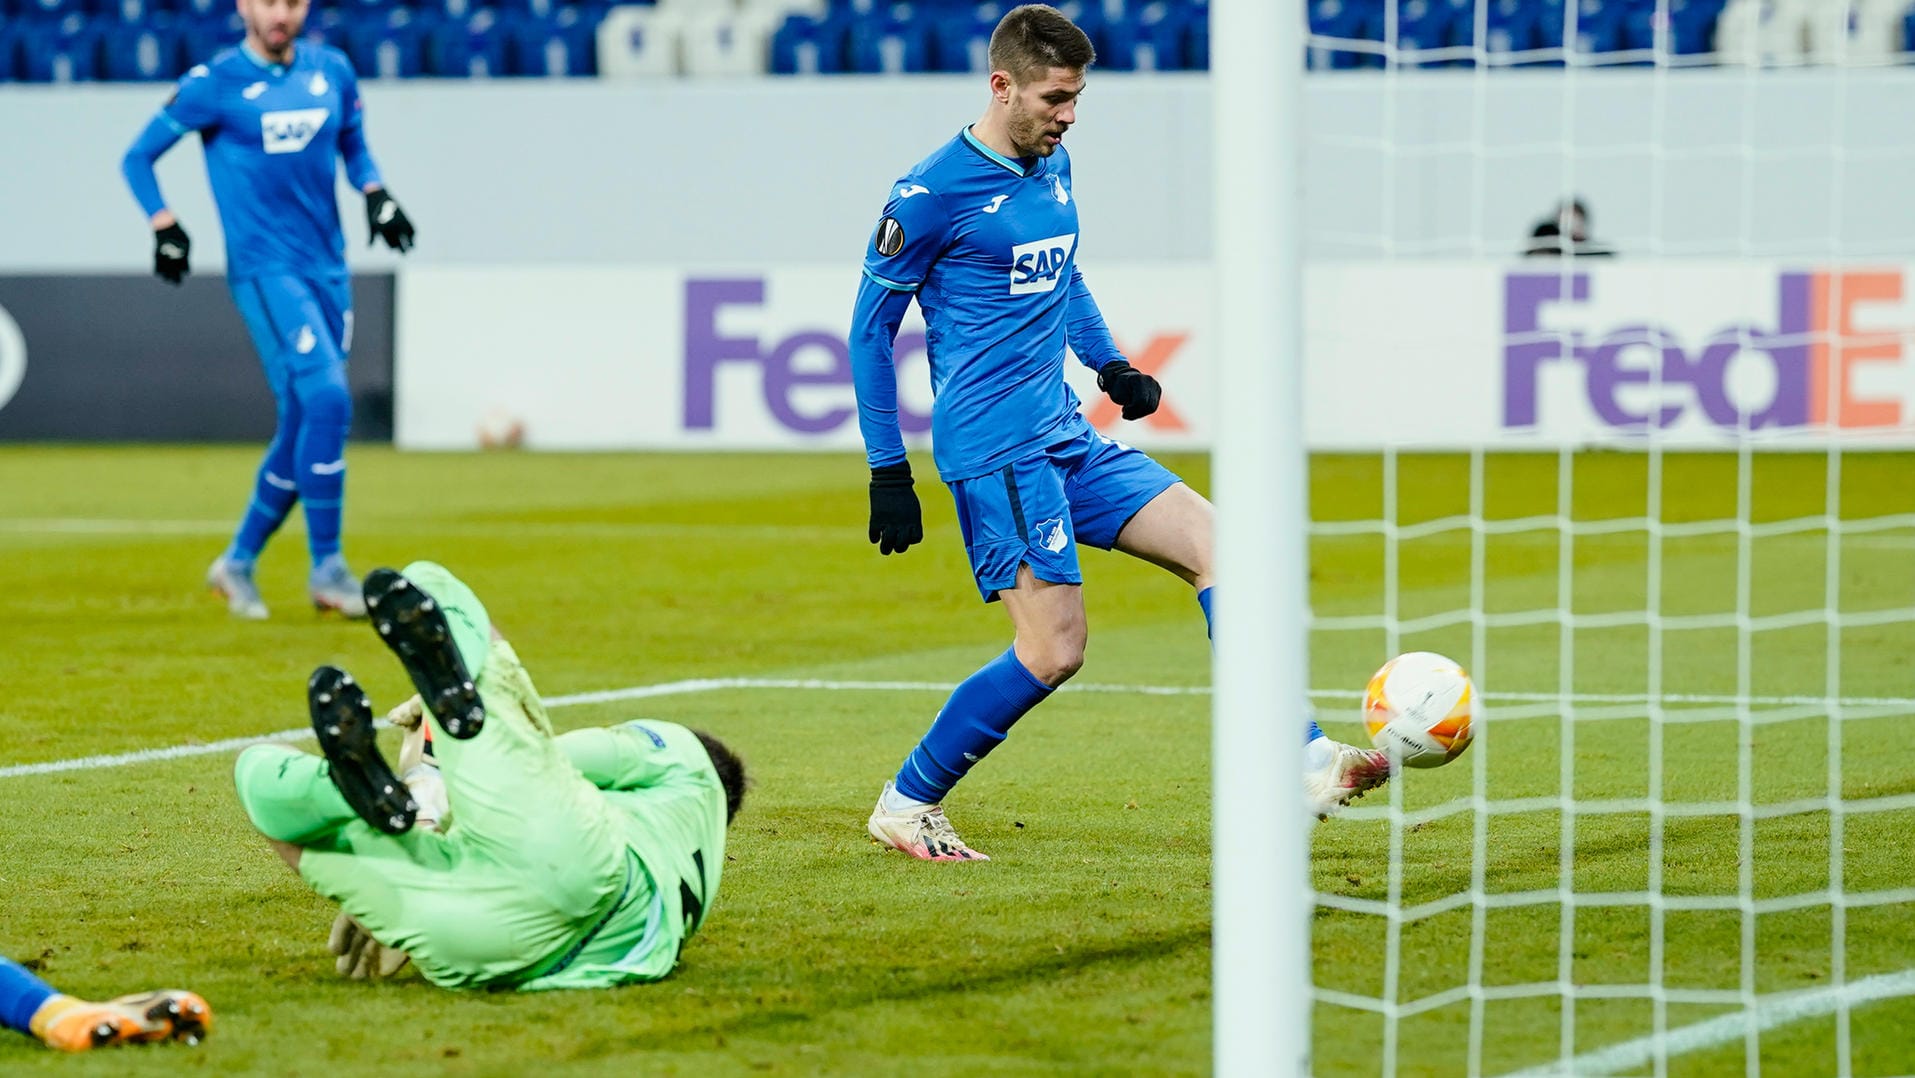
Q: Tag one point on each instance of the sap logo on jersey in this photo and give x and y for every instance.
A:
(289, 130)
(1036, 266)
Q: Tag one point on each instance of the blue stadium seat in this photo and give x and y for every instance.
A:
(897, 42)
(1342, 19)
(387, 51)
(132, 11)
(1150, 39)
(1691, 30)
(807, 46)
(1423, 26)
(1512, 26)
(467, 48)
(9, 52)
(960, 42)
(47, 10)
(1200, 41)
(206, 10)
(64, 51)
(200, 39)
(134, 53)
(550, 48)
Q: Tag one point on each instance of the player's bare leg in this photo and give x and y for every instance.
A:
(1176, 530)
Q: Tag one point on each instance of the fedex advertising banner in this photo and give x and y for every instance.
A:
(1414, 354)
(631, 358)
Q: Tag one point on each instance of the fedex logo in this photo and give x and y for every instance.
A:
(1808, 365)
(786, 365)
(1036, 266)
(289, 130)
(804, 376)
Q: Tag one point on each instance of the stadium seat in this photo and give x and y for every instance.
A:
(388, 50)
(9, 52)
(133, 11)
(726, 44)
(896, 42)
(1150, 39)
(201, 39)
(960, 42)
(205, 9)
(134, 53)
(552, 48)
(808, 46)
(466, 48)
(64, 51)
(1331, 23)
(636, 41)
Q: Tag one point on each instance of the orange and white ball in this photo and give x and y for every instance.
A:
(1419, 708)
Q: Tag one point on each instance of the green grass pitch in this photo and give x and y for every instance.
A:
(1084, 946)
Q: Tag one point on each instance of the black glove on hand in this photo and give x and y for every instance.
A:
(896, 519)
(1124, 384)
(170, 247)
(386, 221)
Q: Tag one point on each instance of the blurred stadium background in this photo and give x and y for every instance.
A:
(638, 233)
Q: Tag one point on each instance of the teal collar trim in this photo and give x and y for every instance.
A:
(977, 144)
(246, 50)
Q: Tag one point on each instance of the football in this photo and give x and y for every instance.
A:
(1419, 709)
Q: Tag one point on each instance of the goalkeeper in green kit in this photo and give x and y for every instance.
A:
(582, 860)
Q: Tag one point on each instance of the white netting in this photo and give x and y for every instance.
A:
(1655, 493)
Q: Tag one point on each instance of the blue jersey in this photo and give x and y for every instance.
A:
(274, 136)
(988, 246)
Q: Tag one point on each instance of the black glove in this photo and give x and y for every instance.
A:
(386, 221)
(896, 519)
(1126, 385)
(170, 247)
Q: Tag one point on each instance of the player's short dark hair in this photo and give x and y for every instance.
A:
(731, 772)
(1031, 38)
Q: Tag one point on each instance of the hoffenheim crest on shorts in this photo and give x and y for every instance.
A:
(1051, 535)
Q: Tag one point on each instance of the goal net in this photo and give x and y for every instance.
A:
(1610, 396)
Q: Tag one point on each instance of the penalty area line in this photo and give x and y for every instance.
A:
(1775, 1010)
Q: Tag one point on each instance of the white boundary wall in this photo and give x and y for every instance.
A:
(763, 171)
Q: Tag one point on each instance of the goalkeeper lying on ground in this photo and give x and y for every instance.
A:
(583, 860)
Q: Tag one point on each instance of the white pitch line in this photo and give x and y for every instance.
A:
(1775, 1010)
(701, 685)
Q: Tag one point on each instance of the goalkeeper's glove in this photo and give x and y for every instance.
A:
(170, 247)
(360, 956)
(1124, 384)
(896, 520)
(386, 221)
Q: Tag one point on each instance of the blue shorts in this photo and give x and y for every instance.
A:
(301, 325)
(1036, 510)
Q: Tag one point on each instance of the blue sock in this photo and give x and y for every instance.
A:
(320, 452)
(274, 493)
(1204, 599)
(21, 994)
(975, 719)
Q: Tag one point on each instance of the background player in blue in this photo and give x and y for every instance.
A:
(276, 117)
(983, 233)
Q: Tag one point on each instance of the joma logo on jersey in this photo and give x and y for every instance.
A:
(1036, 266)
(289, 130)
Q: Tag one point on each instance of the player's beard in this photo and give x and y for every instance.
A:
(276, 39)
(1027, 133)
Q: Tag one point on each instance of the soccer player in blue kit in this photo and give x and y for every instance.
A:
(983, 233)
(276, 118)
